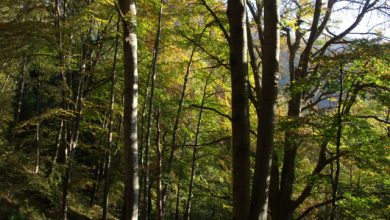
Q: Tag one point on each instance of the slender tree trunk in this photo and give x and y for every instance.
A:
(195, 153)
(96, 183)
(142, 135)
(37, 132)
(6, 80)
(266, 119)
(240, 110)
(38, 150)
(335, 180)
(178, 113)
(110, 128)
(146, 195)
(20, 92)
(73, 136)
(74, 127)
(61, 152)
(254, 64)
(57, 149)
(159, 167)
(130, 92)
(177, 214)
(173, 146)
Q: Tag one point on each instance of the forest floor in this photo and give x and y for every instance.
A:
(25, 195)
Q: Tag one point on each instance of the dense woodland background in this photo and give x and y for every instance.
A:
(242, 111)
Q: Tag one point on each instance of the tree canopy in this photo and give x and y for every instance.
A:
(200, 109)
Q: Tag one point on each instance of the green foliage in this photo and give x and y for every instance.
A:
(31, 54)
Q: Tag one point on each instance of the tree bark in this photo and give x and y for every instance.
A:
(130, 91)
(286, 206)
(266, 119)
(240, 115)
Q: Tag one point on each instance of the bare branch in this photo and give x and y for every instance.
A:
(217, 20)
(311, 208)
(213, 110)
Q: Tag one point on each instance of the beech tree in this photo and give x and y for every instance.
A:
(240, 110)
(248, 109)
(130, 92)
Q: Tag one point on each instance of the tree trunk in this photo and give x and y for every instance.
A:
(57, 149)
(130, 92)
(20, 92)
(177, 217)
(146, 209)
(173, 146)
(260, 187)
(98, 174)
(73, 141)
(37, 132)
(240, 115)
(110, 128)
(74, 123)
(159, 167)
(195, 153)
(335, 178)
(285, 207)
(38, 150)
(6, 80)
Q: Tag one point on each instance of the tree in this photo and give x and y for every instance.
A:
(240, 110)
(69, 93)
(130, 92)
(266, 112)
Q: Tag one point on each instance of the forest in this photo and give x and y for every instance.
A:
(197, 109)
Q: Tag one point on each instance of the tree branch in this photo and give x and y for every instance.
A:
(213, 110)
(217, 20)
(311, 208)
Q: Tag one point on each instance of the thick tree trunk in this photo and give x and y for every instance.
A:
(266, 119)
(285, 207)
(290, 148)
(240, 115)
(288, 169)
(130, 92)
